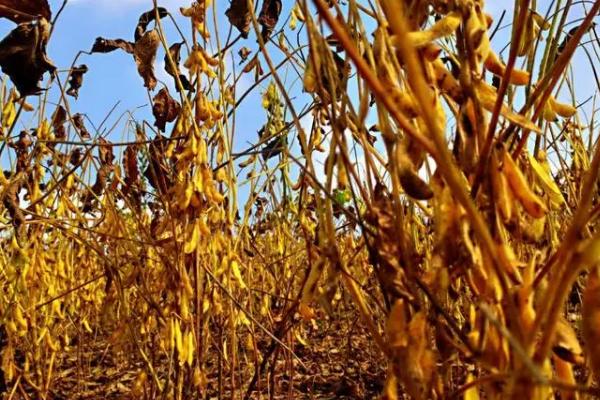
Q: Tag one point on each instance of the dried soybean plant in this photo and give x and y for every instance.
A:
(477, 244)
(442, 196)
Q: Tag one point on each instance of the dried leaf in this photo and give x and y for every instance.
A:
(58, 119)
(102, 45)
(97, 188)
(78, 122)
(268, 17)
(144, 54)
(25, 10)
(105, 152)
(143, 50)
(175, 52)
(130, 164)
(23, 56)
(165, 109)
(157, 171)
(145, 19)
(244, 52)
(239, 16)
(76, 80)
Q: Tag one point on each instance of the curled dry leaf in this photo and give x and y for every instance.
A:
(165, 109)
(105, 152)
(244, 52)
(76, 80)
(25, 10)
(269, 15)
(144, 54)
(145, 20)
(143, 49)
(23, 56)
(78, 122)
(130, 164)
(97, 188)
(58, 120)
(76, 156)
(131, 185)
(11, 201)
(102, 45)
(157, 171)
(175, 52)
(239, 16)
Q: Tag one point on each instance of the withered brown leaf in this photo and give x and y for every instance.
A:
(157, 171)
(130, 164)
(131, 187)
(269, 15)
(105, 152)
(145, 19)
(165, 109)
(143, 49)
(58, 119)
(175, 52)
(24, 10)
(239, 16)
(97, 188)
(244, 52)
(102, 45)
(23, 56)
(11, 201)
(78, 122)
(76, 80)
(144, 53)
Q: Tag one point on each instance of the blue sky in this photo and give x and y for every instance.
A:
(113, 77)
